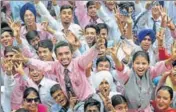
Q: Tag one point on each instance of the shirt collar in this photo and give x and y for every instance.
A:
(39, 28)
(70, 68)
(43, 81)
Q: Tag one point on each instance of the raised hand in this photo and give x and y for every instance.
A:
(113, 51)
(8, 66)
(170, 24)
(160, 37)
(19, 57)
(16, 27)
(19, 67)
(97, 4)
(99, 42)
(163, 11)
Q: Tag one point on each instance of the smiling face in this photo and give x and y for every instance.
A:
(64, 55)
(29, 18)
(163, 100)
(103, 65)
(104, 88)
(6, 39)
(34, 42)
(35, 75)
(60, 98)
(44, 54)
(31, 102)
(140, 65)
(90, 35)
(92, 11)
(66, 16)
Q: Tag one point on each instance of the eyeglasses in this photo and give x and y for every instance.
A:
(29, 100)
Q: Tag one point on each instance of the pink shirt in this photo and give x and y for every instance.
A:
(76, 69)
(17, 93)
(43, 34)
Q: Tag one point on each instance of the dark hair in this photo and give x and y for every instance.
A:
(102, 59)
(31, 35)
(102, 26)
(5, 28)
(141, 53)
(46, 44)
(52, 12)
(94, 27)
(66, 7)
(118, 99)
(62, 44)
(91, 102)
(10, 49)
(22, 110)
(55, 88)
(167, 88)
(126, 5)
(89, 3)
(28, 91)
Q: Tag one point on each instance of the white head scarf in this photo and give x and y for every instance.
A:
(100, 76)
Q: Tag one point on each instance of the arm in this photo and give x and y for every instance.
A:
(87, 57)
(160, 67)
(45, 66)
(41, 9)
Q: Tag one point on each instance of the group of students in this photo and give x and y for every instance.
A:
(88, 56)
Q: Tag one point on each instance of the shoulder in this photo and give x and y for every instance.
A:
(42, 108)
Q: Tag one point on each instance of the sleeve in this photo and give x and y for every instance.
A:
(26, 50)
(87, 57)
(123, 74)
(41, 9)
(9, 84)
(158, 69)
(45, 66)
(163, 54)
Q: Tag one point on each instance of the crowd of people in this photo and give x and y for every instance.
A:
(88, 56)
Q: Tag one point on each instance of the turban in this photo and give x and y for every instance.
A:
(146, 32)
(5, 27)
(100, 76)
(27, 6)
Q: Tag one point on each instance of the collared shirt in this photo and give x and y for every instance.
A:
(108, 17)
(43, 34)
(77, 75)
(6, 91)
(44, 91)
(57, 25)
(79, 107)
